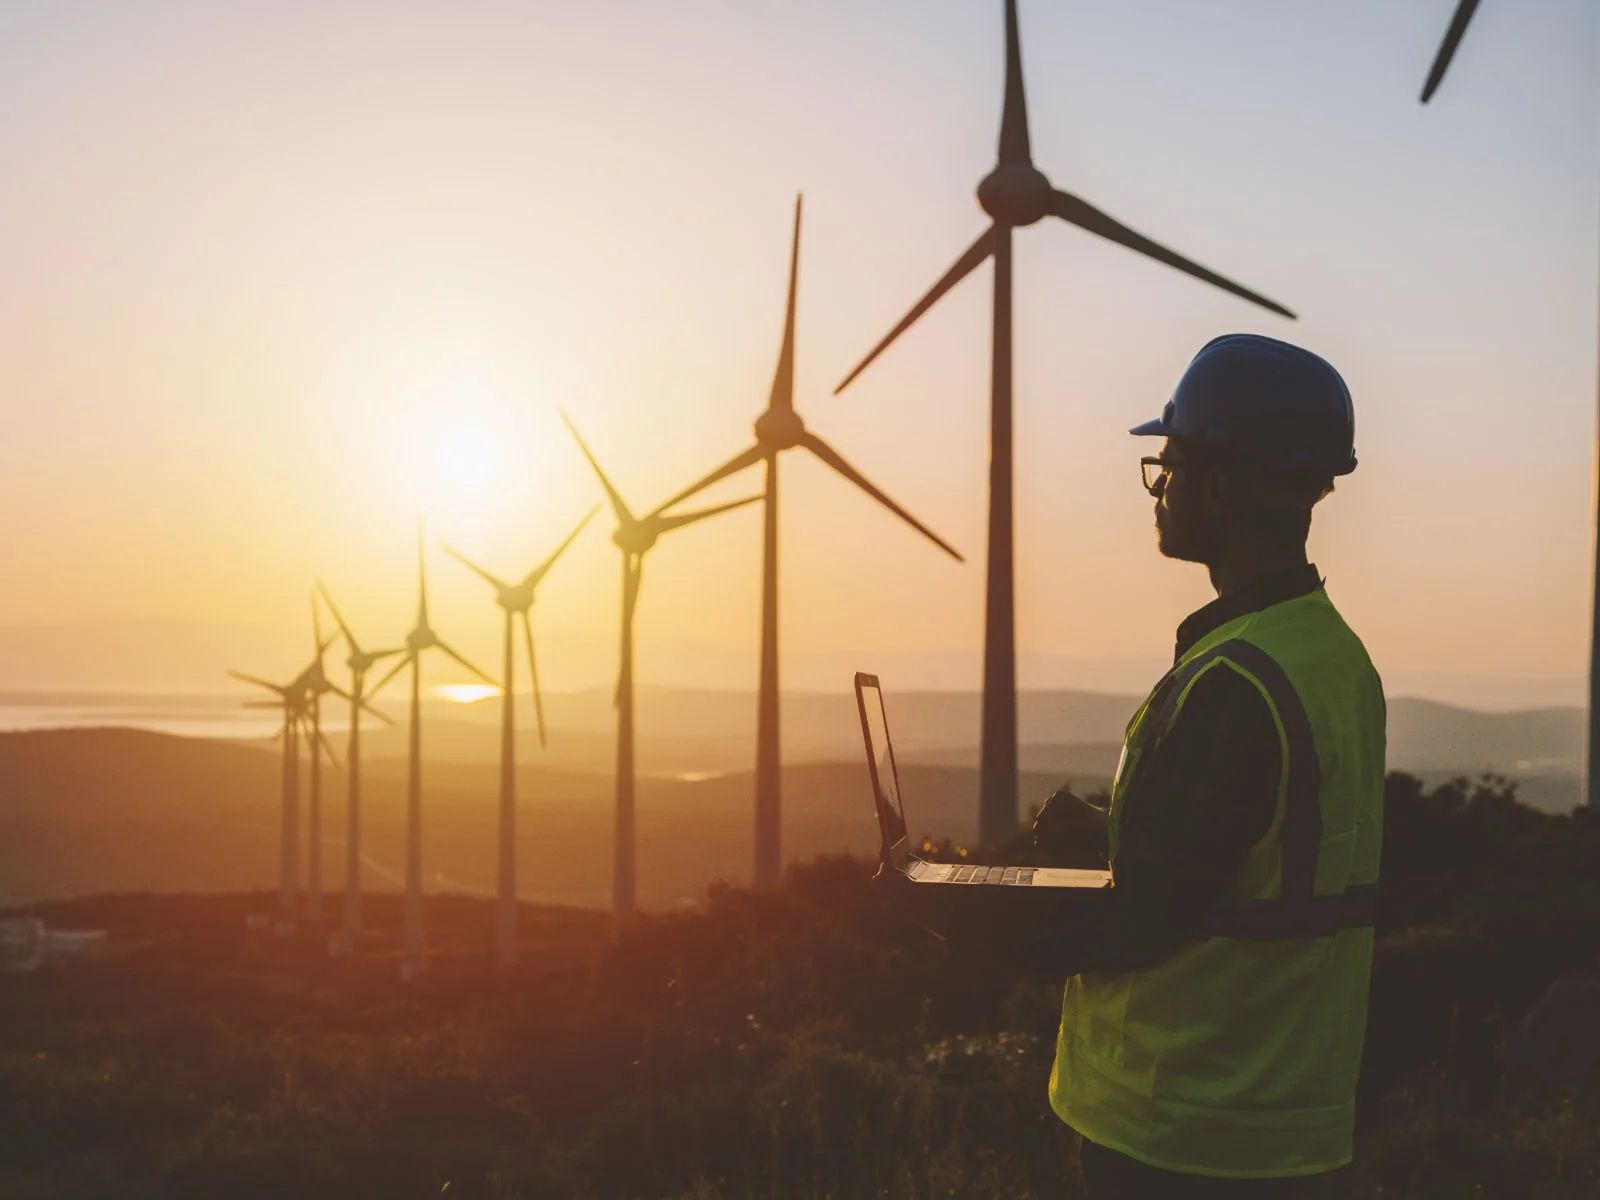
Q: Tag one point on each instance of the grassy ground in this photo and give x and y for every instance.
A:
(801, 1043)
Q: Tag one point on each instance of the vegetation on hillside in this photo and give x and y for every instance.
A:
(798, 1043)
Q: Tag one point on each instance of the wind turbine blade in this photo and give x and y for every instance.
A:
(543, 569)
(533, 670)
(338, 691)
(1086, 216)
(964, 266)
(384, 717)
(618, 506)
(275, 705)
(344, 629)
(393, 671)
(679, 520)
(1447, 48)
(452, 653)
(782, 395)
(472, 566)
(271, 687)
(1014, 146)
(732, 467)
(832, 457)
(322, 740)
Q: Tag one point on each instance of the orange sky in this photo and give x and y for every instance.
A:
(279, 283)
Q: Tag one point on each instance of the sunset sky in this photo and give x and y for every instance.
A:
(278, 280)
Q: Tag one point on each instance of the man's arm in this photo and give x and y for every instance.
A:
(1200, 799)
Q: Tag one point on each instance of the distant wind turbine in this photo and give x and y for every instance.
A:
(1016, 193)
(317, 685)
(291, 702)
(421, 638)
(634, 536)
(777, 429)
(360, 662)
(516, 599)
(1591, 758)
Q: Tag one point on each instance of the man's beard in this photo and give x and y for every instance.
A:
(1184, 545)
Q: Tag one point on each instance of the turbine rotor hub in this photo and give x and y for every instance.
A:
(635, 538)
(1015, 194)
(779, 429)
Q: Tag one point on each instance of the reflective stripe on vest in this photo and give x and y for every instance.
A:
(1297, 912)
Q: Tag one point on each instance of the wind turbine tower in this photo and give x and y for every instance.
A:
(317, 685)
(1014, 195)
(634, 536)
(421, 639)
(291, 702)
(516, 599)
(777, 429)
(360, 662)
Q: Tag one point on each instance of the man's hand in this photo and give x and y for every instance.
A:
(1069, 831)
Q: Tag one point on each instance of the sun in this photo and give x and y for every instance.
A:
(472, 457)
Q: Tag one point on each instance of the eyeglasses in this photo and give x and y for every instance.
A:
(1154, 471)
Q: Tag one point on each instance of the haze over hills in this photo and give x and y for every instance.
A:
(691, 731)
(158, 656)
(111, 810)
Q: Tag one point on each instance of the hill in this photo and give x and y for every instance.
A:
(94, 810)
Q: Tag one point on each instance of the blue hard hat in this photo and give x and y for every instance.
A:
(1255, 399)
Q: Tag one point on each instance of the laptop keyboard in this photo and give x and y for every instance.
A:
(977, 874)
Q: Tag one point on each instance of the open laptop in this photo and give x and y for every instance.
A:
(896, 846)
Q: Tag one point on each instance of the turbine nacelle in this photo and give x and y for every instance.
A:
(636, 537)
(780, 429)
(1015, 194)
(360, 662)
(516, 599)
(420, 639)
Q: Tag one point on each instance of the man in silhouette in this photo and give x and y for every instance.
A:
(1215, 1008)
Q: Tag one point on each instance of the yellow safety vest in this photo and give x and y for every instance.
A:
(1238, 1055)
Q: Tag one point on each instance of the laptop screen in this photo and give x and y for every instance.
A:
(875, 727)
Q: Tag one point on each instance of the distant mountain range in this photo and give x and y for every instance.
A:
(155, 655)
(694, 732)
(1065, 732)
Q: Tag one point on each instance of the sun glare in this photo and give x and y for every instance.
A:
(472, 457)
(467, 693)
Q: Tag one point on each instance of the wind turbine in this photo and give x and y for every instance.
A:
(516, 599)
(1016, 193)
(634, 536)
(777, 429)
(360, 662)
(317, 685)
(291, 702)
(1591, 758)
(421, 638)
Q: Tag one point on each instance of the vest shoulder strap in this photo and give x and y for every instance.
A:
(1297, 912)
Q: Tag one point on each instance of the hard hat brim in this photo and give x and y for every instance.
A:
(1156, 428)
